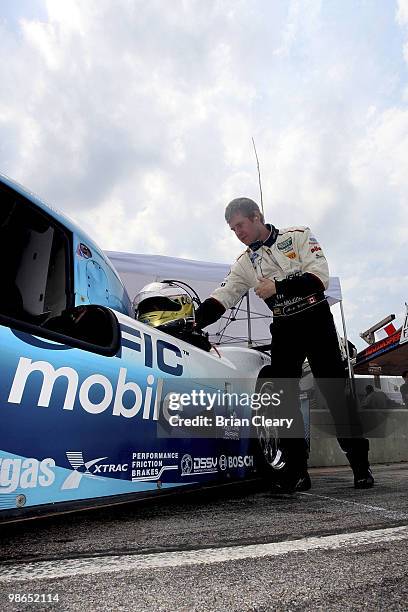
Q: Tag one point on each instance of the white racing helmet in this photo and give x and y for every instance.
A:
(161, 304)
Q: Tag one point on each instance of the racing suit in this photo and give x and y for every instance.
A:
(302, 327)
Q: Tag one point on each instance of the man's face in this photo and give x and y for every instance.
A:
(246, 230)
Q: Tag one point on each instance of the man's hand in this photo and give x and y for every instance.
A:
(266, 288)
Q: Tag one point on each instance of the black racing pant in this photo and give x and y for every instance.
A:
(312, 334)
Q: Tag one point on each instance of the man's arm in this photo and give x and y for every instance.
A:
(208, 312)
(233, 287)
(315, 275)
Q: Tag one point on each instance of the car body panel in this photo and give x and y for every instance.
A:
(78, 426)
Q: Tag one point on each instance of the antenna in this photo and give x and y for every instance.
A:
(259, 176)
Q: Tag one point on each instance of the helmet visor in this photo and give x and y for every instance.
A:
(157, 303)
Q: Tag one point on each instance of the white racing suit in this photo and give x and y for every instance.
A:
(294, 254)
(302, 327)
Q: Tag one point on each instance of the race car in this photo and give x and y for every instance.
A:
(92, 399)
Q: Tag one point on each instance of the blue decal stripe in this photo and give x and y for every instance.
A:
(130, 330)
(37, 342)
(131, 345)
(148, 351)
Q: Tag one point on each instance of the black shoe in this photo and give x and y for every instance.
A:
(287, 487)
(363, 479)
(282, 488)
(292, 481)
(303, 484)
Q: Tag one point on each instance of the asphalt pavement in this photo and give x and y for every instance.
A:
(233, 548)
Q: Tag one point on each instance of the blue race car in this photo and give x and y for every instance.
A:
(87, 392)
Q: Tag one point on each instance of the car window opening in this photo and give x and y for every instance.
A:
(34, 254)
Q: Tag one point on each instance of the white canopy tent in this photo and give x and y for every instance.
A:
(235, 327)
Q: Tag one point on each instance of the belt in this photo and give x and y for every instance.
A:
(299, 306)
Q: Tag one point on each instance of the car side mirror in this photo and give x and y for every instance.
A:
(89, 323)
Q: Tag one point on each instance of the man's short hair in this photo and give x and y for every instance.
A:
(405, 373)
(245, 206)
(369, 389)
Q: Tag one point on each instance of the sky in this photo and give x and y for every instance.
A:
(135, 118)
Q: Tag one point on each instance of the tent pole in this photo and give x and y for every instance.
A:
(350, 369)
(249, 320)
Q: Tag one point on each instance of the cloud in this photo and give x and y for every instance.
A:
(136, 119)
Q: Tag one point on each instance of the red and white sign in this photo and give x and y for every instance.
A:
(404, 330)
